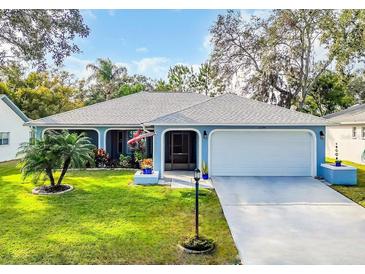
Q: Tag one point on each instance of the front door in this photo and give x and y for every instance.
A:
(180, 150)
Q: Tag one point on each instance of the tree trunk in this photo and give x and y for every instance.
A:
(50, 176)
(66, 164)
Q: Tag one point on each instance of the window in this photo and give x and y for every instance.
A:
(4, 138)
(354, 132)
(363, 132)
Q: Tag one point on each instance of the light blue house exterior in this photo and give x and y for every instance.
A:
(254, 138)
(205, 139)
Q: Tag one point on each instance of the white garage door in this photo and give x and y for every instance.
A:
(261, 153)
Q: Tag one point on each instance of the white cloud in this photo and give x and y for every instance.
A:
(77, 66)
(142, 49)
(88, 14)
(206, 42)
(195, 67)
(155, 67)
(247, 14)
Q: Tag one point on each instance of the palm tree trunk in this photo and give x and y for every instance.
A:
(50, 175)
(66, 164)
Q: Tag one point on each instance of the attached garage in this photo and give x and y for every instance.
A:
(262, 153)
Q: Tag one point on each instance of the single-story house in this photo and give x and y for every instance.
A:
(232, 134)
(13, 132)
(347, 129)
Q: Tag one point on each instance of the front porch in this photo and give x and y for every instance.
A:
(116, 143)
(183, 179)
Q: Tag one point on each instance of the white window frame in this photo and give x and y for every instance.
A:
(1, 138)
(354, 133)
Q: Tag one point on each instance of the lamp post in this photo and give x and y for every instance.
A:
(197, 178)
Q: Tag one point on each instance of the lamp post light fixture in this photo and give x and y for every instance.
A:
(197, 175)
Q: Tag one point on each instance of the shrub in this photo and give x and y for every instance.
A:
(56, 150)
(125, 160)
(138, 156)
(101, 158)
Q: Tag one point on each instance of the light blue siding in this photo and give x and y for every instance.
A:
(204, 149)
(340, 176)
(160, 129)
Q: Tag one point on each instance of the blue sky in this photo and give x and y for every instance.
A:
(145, 41)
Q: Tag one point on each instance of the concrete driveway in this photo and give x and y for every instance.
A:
(291, 220)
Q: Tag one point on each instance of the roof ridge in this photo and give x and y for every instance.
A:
(210, 99)
(14, 108)
(277, 106)
(350, 110)
(251, 103)
(77, 109)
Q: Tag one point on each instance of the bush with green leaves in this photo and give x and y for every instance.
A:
(125, 160)
(57, 150)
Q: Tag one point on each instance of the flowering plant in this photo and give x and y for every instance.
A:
(147, 163)
(101, 158)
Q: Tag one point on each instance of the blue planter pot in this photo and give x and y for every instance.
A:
(147, 171)
(338, 163)
(205, 176)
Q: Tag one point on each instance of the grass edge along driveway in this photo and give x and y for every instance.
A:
(355, 193)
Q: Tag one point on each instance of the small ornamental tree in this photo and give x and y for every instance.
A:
(55, 151)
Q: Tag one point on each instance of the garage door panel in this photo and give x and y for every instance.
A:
(261, 153)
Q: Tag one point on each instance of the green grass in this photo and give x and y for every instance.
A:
(355, 193)
(105, 220)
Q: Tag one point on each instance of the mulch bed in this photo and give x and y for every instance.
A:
(52, 190)
(197, 246)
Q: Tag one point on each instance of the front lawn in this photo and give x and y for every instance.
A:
(105, 220)
(355, 193)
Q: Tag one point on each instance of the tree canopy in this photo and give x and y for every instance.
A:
(40, 94)
(277, 58)
(30, 35)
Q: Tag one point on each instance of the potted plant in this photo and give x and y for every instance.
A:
(205, 171)
(147, 165)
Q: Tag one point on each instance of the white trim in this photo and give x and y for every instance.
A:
(351, 123)
(314, 144)
(239, 125)
(8, 144)
(73, 128)
(342, 167)
(354, 131)
(162, 144)
(78, 125)
(116, 128)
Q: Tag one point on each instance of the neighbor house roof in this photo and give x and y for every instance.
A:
(354, 114)
(128, 110)
(231, 109)
(13, 107)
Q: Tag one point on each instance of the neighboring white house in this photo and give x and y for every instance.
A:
(13, 132)
(348, 132)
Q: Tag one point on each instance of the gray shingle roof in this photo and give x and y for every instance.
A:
(354, 114)
(230, 109)
(128, 110)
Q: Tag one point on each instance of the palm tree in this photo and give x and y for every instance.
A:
(56, 150)
(107, 75)
(74, 150)
(39, 158)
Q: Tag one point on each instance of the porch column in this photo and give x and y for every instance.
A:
(101, 131)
